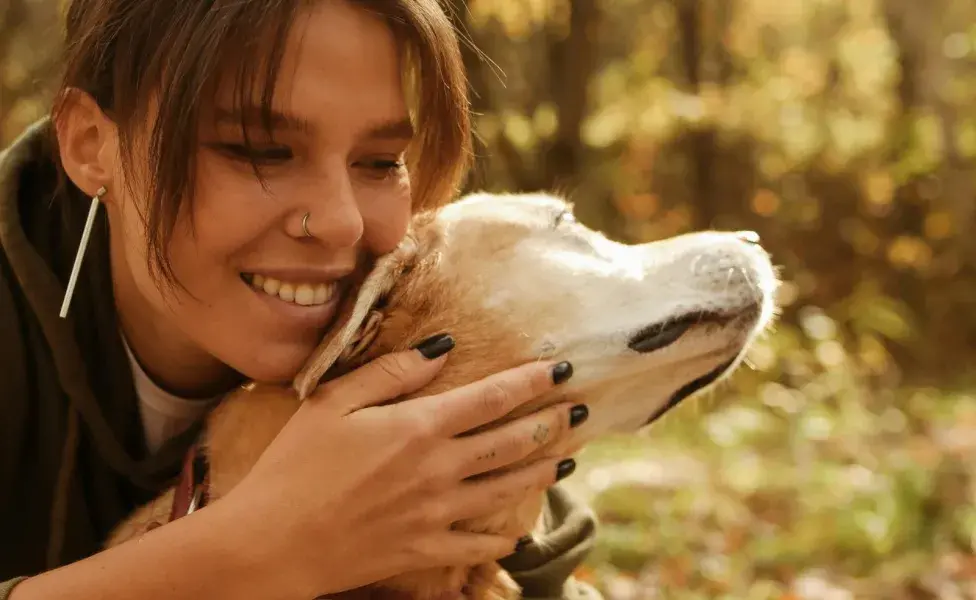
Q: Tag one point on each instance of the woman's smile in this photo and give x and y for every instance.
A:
(299, 298)
(302, 294)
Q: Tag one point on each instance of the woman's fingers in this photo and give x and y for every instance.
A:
(388, 377)
(451, 413)
(484, 401)
(502, 492)
(518, 440)
(459, 548)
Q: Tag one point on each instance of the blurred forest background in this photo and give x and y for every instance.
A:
(841, 465)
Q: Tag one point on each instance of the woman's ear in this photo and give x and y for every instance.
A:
(88, 143)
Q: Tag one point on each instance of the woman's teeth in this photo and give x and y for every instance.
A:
(303, 294)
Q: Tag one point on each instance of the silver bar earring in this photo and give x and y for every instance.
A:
(70, 291)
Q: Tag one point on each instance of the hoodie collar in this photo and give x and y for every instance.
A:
(40, 256)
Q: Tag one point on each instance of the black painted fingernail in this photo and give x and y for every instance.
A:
(578, 414)
(435, 346)
(561, 372)
(565, 468)
(523, 542)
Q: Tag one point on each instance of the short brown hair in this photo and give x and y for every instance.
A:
(121, 52)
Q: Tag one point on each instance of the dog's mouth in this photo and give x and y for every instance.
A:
(660, 335)
(690, 388)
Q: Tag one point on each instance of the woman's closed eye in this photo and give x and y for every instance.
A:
(268, 155)
(271, 155)
(381, 168)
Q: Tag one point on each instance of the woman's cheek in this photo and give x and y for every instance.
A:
(230, 211)
(386, 216)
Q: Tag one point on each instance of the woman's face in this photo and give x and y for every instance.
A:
(258, 293)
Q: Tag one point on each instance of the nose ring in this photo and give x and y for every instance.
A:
(305, 225)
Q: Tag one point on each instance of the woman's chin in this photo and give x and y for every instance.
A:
(276, 362)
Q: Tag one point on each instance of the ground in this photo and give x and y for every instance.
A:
(778, 496)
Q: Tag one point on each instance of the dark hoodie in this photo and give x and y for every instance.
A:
(72, 458)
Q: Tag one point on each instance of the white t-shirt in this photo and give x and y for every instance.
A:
(163, 414)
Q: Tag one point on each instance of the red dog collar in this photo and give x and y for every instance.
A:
(193, 488)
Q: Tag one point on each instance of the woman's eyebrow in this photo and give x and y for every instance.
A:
(254, 115)
(396, 129)
(389, 130)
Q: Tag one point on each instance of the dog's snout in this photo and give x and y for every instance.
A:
(729, 269)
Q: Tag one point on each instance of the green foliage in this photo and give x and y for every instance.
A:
(855, 491)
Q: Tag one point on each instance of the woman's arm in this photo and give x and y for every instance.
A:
(298, 526)
(202, 555)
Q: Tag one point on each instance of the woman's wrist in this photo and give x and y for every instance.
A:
(203, 555)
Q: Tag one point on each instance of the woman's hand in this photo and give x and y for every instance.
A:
(350, 492)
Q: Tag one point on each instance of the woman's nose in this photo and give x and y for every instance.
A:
(333, 218)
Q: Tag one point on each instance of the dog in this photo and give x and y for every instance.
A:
(516, 278)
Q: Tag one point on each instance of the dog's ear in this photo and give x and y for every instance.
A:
(357, 324)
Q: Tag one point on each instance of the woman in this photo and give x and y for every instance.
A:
(222, 140)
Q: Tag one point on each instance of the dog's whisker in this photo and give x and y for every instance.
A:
(753, 288)
(546, 350)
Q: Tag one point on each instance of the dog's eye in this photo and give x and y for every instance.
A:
(565, 216)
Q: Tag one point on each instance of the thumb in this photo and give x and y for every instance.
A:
(389, 376)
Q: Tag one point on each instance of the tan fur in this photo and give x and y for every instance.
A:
(458, 272)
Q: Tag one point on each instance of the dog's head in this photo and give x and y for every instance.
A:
(515, 278)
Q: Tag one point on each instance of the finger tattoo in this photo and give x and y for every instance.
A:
(541, 433)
